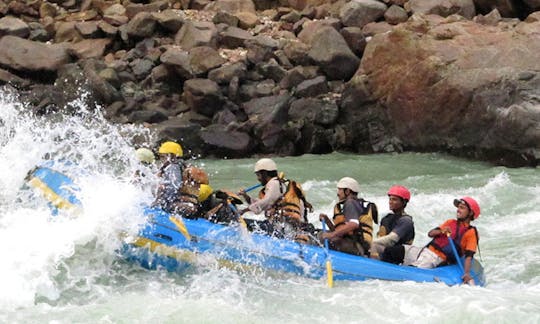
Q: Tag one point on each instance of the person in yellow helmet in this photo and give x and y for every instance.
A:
(170, 154)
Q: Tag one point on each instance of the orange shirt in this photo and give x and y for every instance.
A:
(469, 241)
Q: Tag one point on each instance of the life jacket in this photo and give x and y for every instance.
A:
(196, 175)
(292, 204)
(368, 215)
(193, 177)
(440, 242)
(387, 225)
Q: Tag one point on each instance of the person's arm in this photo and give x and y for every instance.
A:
(387, 240)
(246, 197)
(467, 270)
(341, 231)
(272, 194)
(324, 218)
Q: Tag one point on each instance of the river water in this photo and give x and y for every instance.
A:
(66, 269)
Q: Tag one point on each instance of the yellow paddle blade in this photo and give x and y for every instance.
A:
(329, 274)
(181, 227)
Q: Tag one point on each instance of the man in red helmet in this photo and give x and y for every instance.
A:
(397, 228)
(460, 230)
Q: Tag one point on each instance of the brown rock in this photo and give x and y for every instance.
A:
(203, 59)
(464, 8)
(66, 32)
(170, 19)
(246, 19)
(330, 51)
(89, 48)
(194, 34)
(14, 27)
(225, 142)
(471, 74)
(24, 55)
(203, 96)
(232, 6)
(88, 29)
(141, 26)
(395, 15)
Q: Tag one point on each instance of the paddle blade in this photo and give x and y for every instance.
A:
(329, 274)
(181, 227)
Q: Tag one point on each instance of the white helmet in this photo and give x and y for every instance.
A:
(348, 183)
(265, 164)
(145, 155)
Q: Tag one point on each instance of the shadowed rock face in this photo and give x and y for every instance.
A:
(230, 78)
(458, 85)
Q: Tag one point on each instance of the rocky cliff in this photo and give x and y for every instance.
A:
(240, 77)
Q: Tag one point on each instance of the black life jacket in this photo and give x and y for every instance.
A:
(389, 222)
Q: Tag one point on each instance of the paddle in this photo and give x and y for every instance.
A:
(253, 187)
(456, 255)
(329, 274)
(181, 226)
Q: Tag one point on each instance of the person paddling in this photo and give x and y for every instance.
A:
(352, 225)
(460, 231)
(281, 200)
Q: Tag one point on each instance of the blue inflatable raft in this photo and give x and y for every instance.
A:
(173, 243)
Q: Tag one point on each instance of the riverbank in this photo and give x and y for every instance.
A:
(237, 78)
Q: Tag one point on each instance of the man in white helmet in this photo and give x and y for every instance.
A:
(280, 220)
(266, 172)
(352, 225)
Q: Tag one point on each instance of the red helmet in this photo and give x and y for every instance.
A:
(400, 191)
(471, 204)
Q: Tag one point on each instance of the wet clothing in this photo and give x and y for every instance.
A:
(170, 185)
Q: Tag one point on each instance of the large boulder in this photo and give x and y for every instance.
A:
(460, 86)
(357, 13)
(223, 141)
(25, 55)
(203, 96)
(330, 51)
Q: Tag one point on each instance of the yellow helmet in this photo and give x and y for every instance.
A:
(171, 148)
(204, 192)
(145, 155)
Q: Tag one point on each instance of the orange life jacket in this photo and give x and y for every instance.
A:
(292, 203)
(192, 177)
(368, 214)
